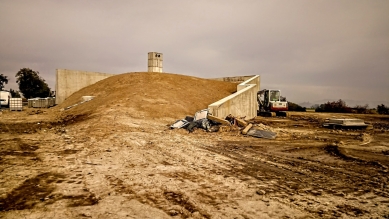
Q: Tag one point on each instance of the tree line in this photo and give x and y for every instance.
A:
(340, 106)
(30, 83)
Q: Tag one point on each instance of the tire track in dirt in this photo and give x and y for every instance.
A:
(291, 180)
(296, 165)
(166, 200)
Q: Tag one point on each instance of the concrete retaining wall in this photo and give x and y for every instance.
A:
(242, 103)
(237, 79)
(70, 81)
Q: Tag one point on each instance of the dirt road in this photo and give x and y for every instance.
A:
(115, 165)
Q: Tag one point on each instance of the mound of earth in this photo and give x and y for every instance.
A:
(145, 94)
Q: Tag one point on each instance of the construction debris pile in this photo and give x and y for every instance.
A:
(204, 120)
(200, 120)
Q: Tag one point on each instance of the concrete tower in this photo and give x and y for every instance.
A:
(155, 62)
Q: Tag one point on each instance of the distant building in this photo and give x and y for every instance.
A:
(155, 60)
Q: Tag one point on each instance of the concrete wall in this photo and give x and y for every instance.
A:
(242, 103)
(255, 79)
(237, 79)
(70, 81)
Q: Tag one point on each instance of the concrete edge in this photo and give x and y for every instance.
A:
(232, 96)
(246, 83)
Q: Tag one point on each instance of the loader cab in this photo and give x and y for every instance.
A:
(274, 95)
(276, 102)
(271, 96)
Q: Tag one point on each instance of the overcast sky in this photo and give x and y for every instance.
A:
(311, 50)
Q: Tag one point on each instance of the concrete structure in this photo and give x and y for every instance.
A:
(155, 62)
(243, 103)
(236, 79)
(70, 81)
(345, 123)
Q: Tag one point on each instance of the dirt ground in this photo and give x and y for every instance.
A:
(113, 162)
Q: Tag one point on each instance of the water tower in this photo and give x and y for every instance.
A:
(155, 62)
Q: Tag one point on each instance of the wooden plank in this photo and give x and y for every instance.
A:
(247, 128)
(241, 122)
(219, 120)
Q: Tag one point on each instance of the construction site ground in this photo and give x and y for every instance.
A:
(115, 161)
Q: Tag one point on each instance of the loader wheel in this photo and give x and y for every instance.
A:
(267, 114)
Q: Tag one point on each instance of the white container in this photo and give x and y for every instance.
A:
(15, 104)
(87, 98)
(41, 102)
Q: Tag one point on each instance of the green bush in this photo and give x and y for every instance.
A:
(31, 84)
(382, 109)
(334, 107)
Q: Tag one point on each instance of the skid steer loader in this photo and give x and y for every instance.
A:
(271, 103)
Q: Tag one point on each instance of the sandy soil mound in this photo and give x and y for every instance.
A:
(154, 95)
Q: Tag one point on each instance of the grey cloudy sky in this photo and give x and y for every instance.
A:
(311, 50)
